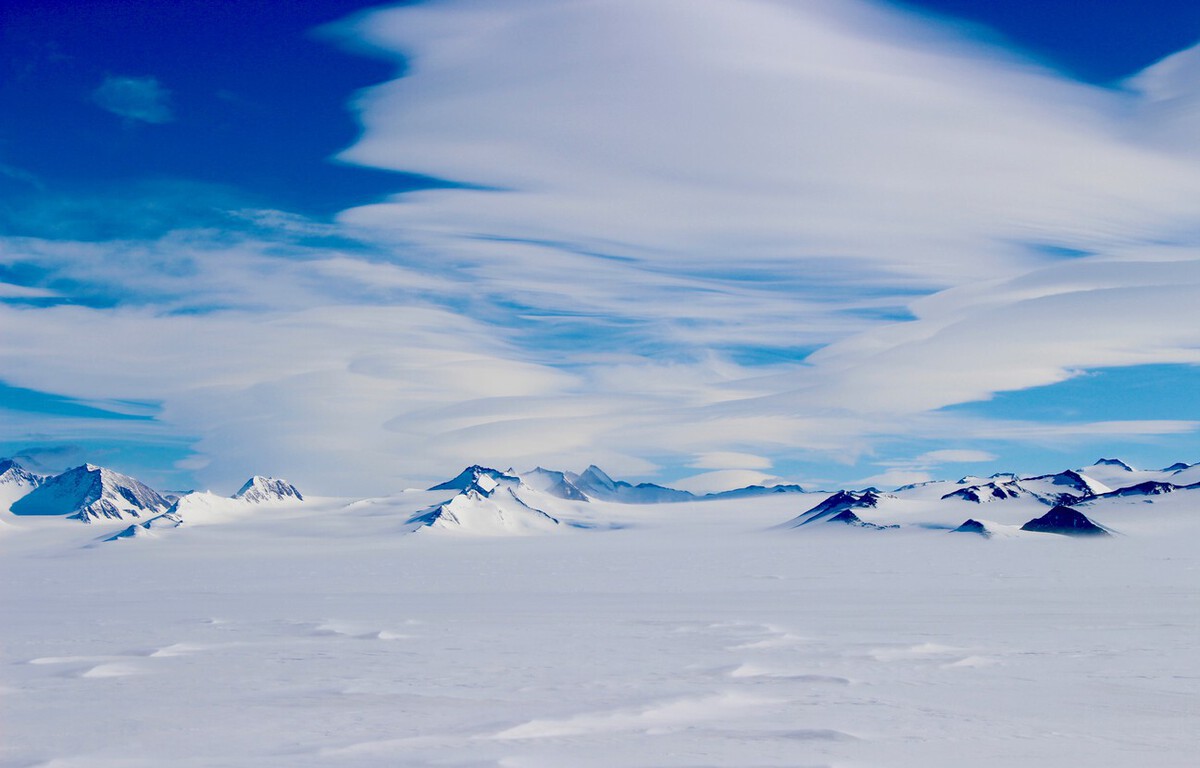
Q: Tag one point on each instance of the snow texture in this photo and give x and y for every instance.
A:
(684, 634)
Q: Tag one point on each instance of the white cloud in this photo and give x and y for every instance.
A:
(951, 456)
(730, 460)
(673, 203)
(135, 98)
(723, 480)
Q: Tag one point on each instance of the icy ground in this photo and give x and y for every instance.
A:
(693, 634)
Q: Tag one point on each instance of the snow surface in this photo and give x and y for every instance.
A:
(696, 633)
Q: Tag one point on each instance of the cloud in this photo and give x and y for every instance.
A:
(730, 460)
(732, 235)
(723, 480)
(950, 455)
(134, 98)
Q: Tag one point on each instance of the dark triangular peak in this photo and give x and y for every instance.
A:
(847, 517)
(1064, 521)
(470, 476)
(834, 505)
(1178, 466)
(975, 527)
(1113, 463)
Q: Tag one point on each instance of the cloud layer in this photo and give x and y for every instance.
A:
(720, 234)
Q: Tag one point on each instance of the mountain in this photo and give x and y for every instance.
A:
(1063, 488)
(1064, 521)
(15, 482)
(834, 507)
(486, 508)
(554, 483)
(1113, 463)
(1148, 488)
(751, 491)
(260, 489)
(147, 528)
(988, 529)
(469, 476)
(993, 491)
(598, 485)
(89, 493)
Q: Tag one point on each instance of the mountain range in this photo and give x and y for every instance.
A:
(485, 501)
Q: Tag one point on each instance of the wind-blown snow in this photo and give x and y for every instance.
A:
(331, 632)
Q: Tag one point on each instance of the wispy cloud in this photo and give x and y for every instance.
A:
(135, 98)
(719, 234)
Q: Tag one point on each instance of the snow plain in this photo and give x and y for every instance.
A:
(329, 633)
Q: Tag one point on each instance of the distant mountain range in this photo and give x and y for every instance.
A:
(486, 501)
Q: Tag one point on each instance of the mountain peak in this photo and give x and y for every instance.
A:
(1065, 521)
(469, 477)
(90, 492)
(259, 489)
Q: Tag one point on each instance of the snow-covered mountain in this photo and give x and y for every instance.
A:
(839, 508)
(754, 490)
(260, 489)
(88, 493)
(596, 484)
(484, 501)
(554, 483)
(470, 476)
(487, 507)
(15, 482)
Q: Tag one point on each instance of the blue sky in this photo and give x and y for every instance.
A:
(828, 242)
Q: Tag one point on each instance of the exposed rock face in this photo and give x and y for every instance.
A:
(834, 506)
(88, 493)
(1064, 521)
(973, 526)
(470, 476)
(259, 489)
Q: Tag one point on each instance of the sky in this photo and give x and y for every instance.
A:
(702, 242)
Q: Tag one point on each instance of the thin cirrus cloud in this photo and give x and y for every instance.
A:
(731, 235)
(143, 99)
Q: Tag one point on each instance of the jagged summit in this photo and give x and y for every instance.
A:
(13, 472)
(596, 484)
(89, 493)
(985, 492)
(554, 483)
(470, 476)
(259, 489)
(487, 509)
(831, 508)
